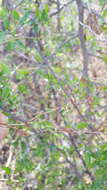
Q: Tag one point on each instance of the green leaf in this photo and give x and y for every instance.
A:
(104, 88)
(96, 100)
(87, 158)
(57, 69)
(104, 146)
(6, 92)
(15, 15)
(38, 57)
(7, 170)
(105, 58)
(17, 44)
(104, 14)
(104, 28)
(102, 2)
(23, 146)
(46, 8)
(22, 88)
(10, 45)
(21, 73)
(103, 155)
(37, 13)
(2, 37)
(44, 16)
(24, 165)
(24, 18)
(4, 68)
(6, 23)
(82, 125)
(3, 12)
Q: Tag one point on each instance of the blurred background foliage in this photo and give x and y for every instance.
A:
(53, 89)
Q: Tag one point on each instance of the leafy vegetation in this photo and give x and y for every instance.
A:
(53, 90)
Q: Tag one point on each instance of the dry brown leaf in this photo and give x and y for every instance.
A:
(3, 186)
(3, 118)
(3, 127)
(69, 131)
(92, 21)
(21, 133)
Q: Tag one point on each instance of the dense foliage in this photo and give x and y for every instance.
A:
(53, 89)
